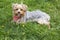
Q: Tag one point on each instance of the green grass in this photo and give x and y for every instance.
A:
(30, 31)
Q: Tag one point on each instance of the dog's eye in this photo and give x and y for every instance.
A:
(24, 11)
(21, 9)
(16, 9)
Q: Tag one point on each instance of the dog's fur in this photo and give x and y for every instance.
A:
(20, 15)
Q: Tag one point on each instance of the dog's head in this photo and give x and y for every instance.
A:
(19, 10)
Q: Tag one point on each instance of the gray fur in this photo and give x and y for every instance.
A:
(36, 15)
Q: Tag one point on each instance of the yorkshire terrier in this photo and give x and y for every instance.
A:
(21, 15)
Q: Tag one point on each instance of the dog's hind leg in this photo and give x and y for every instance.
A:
(48, 25)
(40, 21)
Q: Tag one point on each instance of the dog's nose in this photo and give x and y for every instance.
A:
(18, 12)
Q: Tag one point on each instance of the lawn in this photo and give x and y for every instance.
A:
(31, 30)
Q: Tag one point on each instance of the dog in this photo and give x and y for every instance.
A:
(21, 15)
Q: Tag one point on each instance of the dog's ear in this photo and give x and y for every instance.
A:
(14, 4)
(26, 6)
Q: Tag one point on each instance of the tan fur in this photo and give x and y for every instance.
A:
(21, 9)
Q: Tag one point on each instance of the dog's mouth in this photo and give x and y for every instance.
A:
(17, 16)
